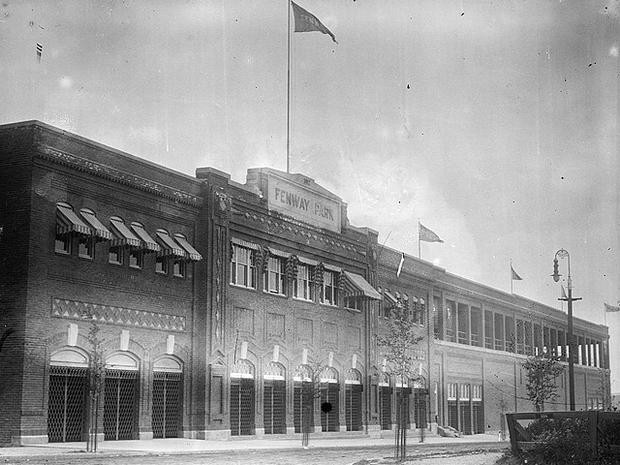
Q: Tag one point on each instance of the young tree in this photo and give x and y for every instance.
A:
(311, 390)
(95, 384)
(397, 344)
(541, 371)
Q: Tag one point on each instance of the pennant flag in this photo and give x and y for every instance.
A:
(307, 22)
(39, 51)
(564, 296)
(612, 308)
(427, 235)
(400, 265)
(514, 274)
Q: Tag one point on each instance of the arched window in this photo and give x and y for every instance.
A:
(167, 395)
(274, 398)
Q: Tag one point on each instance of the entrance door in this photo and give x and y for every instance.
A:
(303, 407)
(120, 412)
(330, 408)
(353, 407)
(68, 390)
(274, 397)
(241, 407)
(166, 404)
(385, 400)
(420, 396)
(478, 417)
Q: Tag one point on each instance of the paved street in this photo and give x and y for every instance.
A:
(432, 454)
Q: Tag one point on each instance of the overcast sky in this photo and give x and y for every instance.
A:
(493, 122)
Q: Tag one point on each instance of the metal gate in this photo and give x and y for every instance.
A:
(330, 407)
(478, 417)
(120, 408)
(465, 416)
(353, 406)
(68, 389)
(419, 399)
(402, 405)
(453, 414)
(241, 407)
(166, 404)
(274, 406)
(385, 400)
(303, 407)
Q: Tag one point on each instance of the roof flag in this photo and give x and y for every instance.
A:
(514, 274)
(612, 308)
(307, 22)
(426, 234)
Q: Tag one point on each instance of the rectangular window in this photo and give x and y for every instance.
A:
(86, 247)
(302, 286)
(450, 321)
(178, 268)
(243, 269)
(437, 318)
(62, 243)
(115, 255)
(161, 265)
(510, 334)
(329, 294)
(274, 276)
(135, 258)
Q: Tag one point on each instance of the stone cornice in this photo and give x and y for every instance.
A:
(116, 175)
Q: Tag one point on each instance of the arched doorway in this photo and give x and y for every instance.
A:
(120, 408)
(167, 397)
(330, 405)
(242, 398)
(274, 398)
(68, 393)
(353, 400)
(385, 401)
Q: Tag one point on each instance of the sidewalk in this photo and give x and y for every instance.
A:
(188, 446)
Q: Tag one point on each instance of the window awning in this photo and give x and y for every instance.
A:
(100, 230)
(145, 237)
(242, 243)
(390, 297)
(169, 246)
(356, 285)
(194, 255)
(126, 237)
(307, 261)
(70, 222)
(278, 253)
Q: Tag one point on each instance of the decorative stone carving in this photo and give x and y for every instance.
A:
(72, 309)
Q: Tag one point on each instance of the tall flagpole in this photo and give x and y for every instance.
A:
(288, 92)
(511, 280)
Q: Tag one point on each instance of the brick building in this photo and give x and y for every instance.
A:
(213, 299)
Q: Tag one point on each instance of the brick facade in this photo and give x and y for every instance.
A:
(231, 336)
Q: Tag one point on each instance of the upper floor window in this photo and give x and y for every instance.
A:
(179, 268)
(86, 247)
(243, 267)
(62, 243)
(329, 294)
(136, 258)
(302, 286)
(274, 276)
(161, 264)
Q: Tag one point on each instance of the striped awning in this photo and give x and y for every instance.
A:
(169, 246)
(193, 254)
(390, 297)
(124, 234)
(242, 243)
(68, 221)
(147, 241)
(356, 285)
(100, 230)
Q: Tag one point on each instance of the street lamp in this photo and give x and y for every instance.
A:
(571, 343)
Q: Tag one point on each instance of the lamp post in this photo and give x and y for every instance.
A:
(571, 343)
